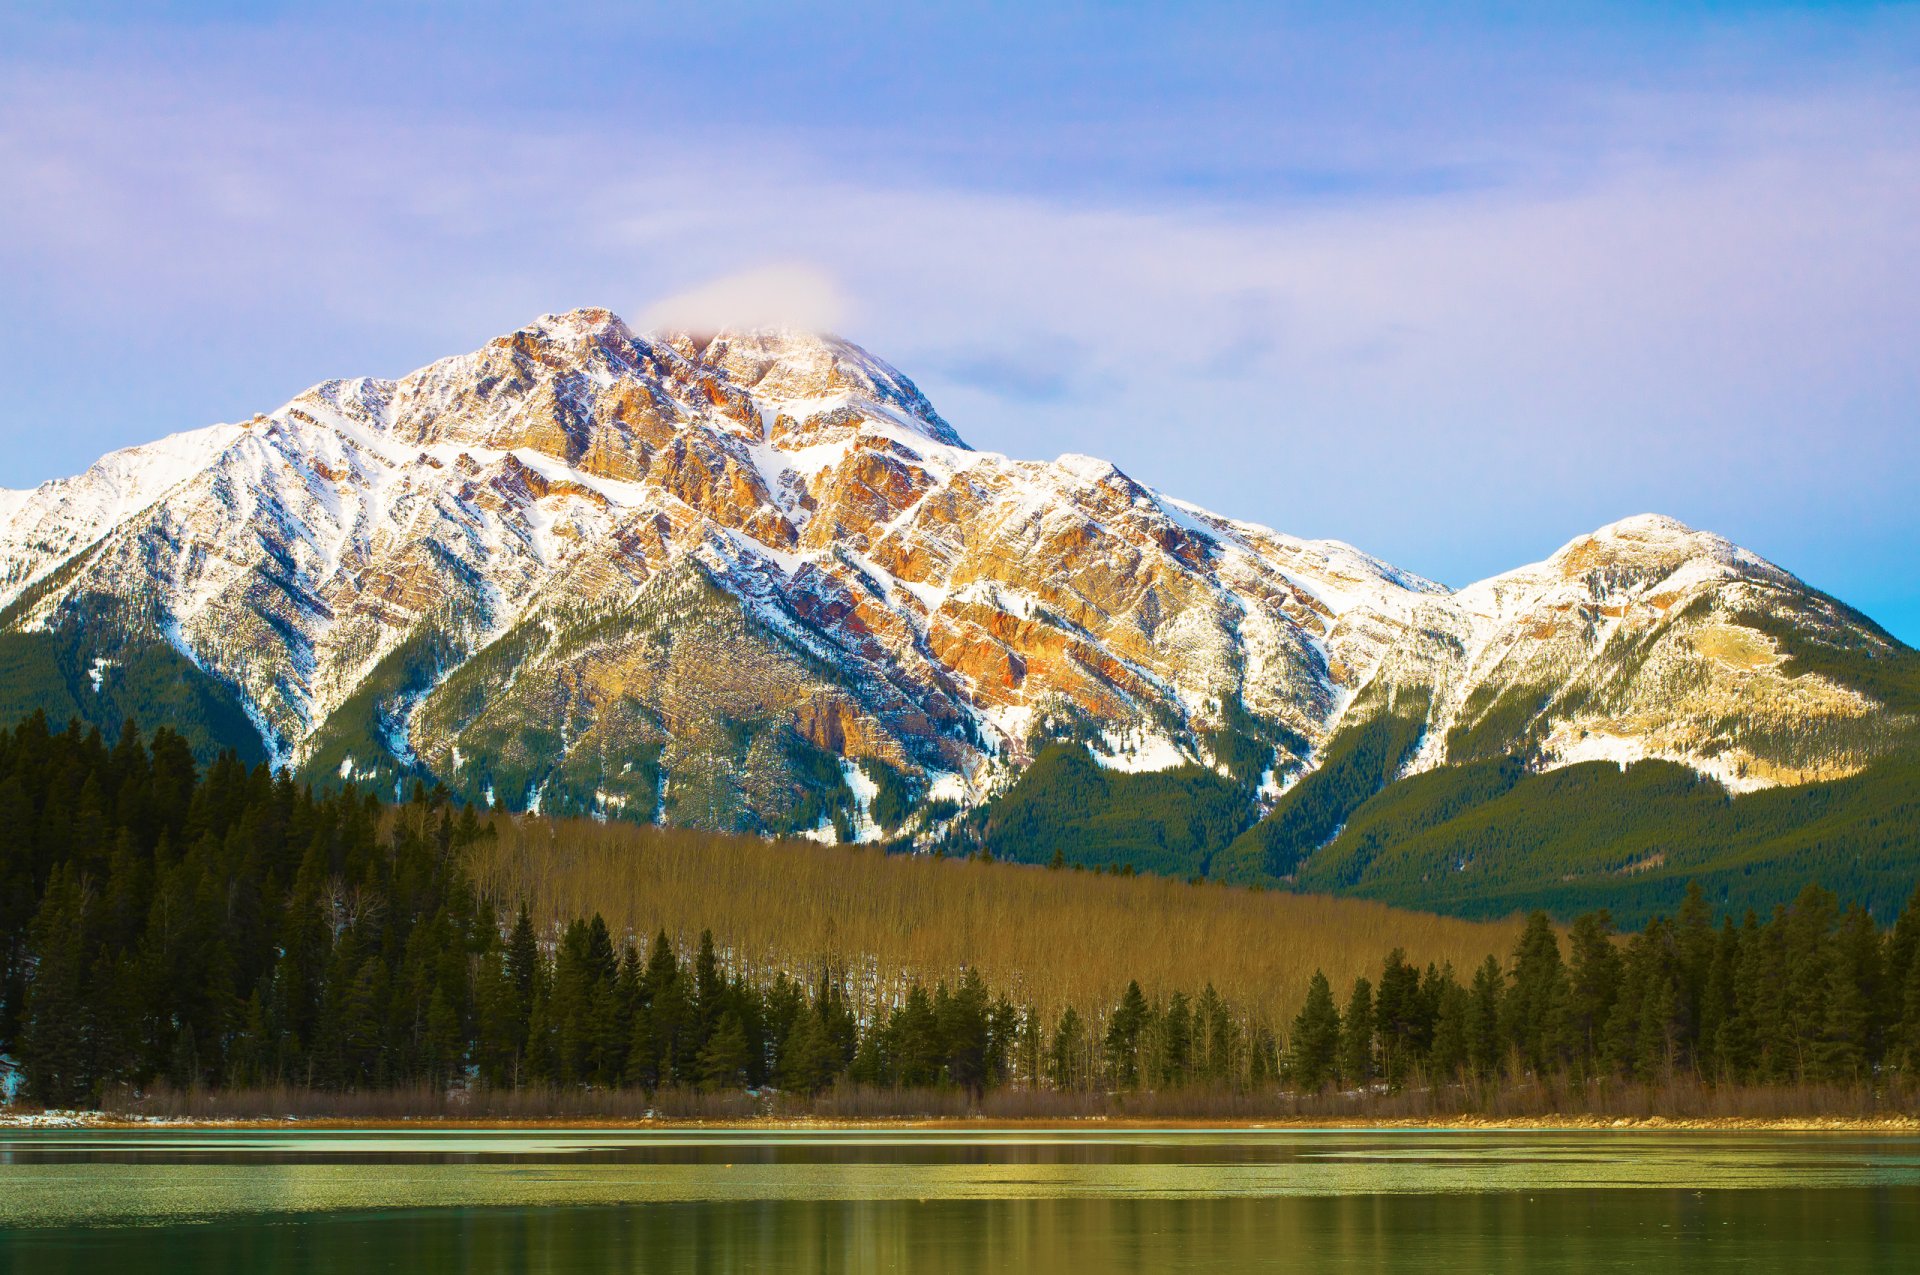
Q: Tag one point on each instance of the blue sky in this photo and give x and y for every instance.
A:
(1453, 283)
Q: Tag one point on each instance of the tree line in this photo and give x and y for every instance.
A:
(1816, 993)
(234, 929)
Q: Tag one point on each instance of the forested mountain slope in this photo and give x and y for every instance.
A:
(754, 581)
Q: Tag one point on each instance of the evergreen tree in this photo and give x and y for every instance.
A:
(54, 1041)
(1176, 1042)
(1850, 1043)
(1400, 1018)
(1737, 1048)
(1593, 979)
(964, 1027)
(808, 1059)
(723, 1061)
(1356, 1035)
(1808, 953)
(1067, 1052)
(1314, 1046)
(1485, 1039)
(1215, 1026)
(1452, 1042)
(1907, 1053)
(1124, 1030)
(913, 1042)
(1537, 1002)
(709, 993)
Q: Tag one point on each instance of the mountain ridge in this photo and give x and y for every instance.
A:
(751, 579)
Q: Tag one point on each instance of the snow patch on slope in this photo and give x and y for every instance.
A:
(42, 528)
(1137, 751)
(1568, 748)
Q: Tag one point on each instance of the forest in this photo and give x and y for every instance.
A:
(168, 927)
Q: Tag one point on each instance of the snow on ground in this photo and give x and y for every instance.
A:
(864, 791)
(947, 786)
(606, 804)
(1570, 747)
(1013, 722)
(1137, 751)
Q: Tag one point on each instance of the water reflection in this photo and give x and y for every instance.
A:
(938, 1202)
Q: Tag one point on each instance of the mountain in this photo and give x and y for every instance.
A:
(754, 580)
(1574, 733)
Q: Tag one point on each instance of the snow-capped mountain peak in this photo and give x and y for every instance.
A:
(594, 569)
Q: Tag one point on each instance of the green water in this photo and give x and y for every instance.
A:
(164, 1201)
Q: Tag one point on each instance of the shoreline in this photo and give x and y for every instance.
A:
(11, 1121)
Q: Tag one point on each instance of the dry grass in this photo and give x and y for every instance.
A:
(1680, 1101)
(1048, 938)
(425, 1102)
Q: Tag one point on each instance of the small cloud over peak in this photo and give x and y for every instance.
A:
(788, 295)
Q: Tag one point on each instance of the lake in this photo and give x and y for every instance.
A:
(161, 1200)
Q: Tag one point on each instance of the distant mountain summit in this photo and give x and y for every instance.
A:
(752, 579)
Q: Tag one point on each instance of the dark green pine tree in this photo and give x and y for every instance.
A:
(723, 1062)
(1537, 999)
(53, 1042)
(1754, 1051)
(523, 971)
(836, 1014)
(808, 1059)
(1356, 1036)
(1809, 957)
(964, 1026)
(1125, 1029)
(500, 1027)
(1486, 1042)
(671, 1025)
(912, 1048)
(1902, 955)
(1593, 985)
(1906, 1049)
(1850, 1045)
(1313, 1049)
(1693, 942)
(1067, 1052)
(1719, 1008)
(1621, 1040)
(1006, 1025)
(1453, 1008)
(1221, 1035)
(444, 1046)
(709, 994)
(1400, 1018)
(1174, 1066)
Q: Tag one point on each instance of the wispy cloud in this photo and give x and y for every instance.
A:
(791, 294)
(1713, 314)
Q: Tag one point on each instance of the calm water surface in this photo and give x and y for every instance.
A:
(164, 1201)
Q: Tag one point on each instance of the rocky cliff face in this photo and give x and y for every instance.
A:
(752, 579)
